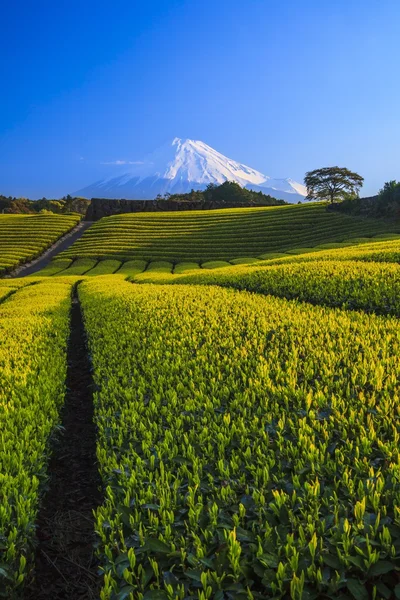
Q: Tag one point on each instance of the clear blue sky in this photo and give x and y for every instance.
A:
(284, 87)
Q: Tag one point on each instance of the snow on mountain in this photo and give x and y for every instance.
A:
(182, 165)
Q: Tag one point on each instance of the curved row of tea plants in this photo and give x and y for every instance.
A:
(373, 287)
(24, 237)
(261, 462)
(379, 250)
(373, 250)
(34, 325)
(55, 267)
(228, 234)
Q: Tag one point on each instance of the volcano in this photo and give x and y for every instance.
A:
(182, 165)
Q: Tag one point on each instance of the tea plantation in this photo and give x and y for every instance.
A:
(244, 371)
(24, 237)
(214, 235)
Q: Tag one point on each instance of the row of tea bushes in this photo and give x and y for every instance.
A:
(249, 445)
(372, 287)
(34, 327)
(213, 235)
(24, 237)
(371, 251)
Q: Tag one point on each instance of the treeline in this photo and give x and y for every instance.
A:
(228, 192)
(65, 205)
(385, 205)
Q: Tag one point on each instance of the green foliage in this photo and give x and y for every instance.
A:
(104, 267)
(33, 332)
(385, 205)
(154, 270)
(388, 203)
(244, 261)
(132, 267)
(215, 264)
(332, 183)
(247, 441)
(302, 250)
(369, 286)
(186, 266)
(272, 255)
(65, 205)
(228, 193)
(24, 237)
(54, 267)
(381, 251)
(209, 235)
(80, 266)
(248, 444)
(161, 266)
(355, 249)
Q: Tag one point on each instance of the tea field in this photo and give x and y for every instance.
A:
(246, 409)
(34, 327)
(215, 235)
(24, 237)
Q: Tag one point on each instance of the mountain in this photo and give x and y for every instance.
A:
(182, 165)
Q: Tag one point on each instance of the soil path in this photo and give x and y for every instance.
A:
(65, 565)
(62, 244)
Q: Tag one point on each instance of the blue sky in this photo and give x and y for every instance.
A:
(284, 87)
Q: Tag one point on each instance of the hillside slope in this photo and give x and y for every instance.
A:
(25, 237)
(228, 234)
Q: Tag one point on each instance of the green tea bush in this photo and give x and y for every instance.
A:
(24, 237)
(105, 267)
(372, 287)
(34, 328)
(55, 267)
(228, 234)
(248, 445)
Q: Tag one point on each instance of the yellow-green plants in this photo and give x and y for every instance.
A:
(9, 286)
(183, 267)
(244, 261)
(5, 292)
(215, 264)
(155, 269)
(104, 267)
(79, 267)
(132, 267)
(371, 251)
(373, 287)
(33, 337)
(24, 237)
(226, 234)
(249, 445)
(54, 267)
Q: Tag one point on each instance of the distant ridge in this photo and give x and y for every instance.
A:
(182, 165)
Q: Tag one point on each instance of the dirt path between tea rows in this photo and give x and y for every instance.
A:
(65, 566)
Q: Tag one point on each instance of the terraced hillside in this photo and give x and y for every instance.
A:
(229, 234)
(24, 237)
(246, 424)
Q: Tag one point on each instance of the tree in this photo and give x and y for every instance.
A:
(390, 191)
(332, 183)
(388, 201)
(78, 205)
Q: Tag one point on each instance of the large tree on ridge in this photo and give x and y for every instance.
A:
(332, 183)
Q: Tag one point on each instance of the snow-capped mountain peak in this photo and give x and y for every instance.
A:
(185, 164)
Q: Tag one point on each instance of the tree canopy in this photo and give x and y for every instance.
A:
(227, 192)
(332, 183)
(67, 204)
